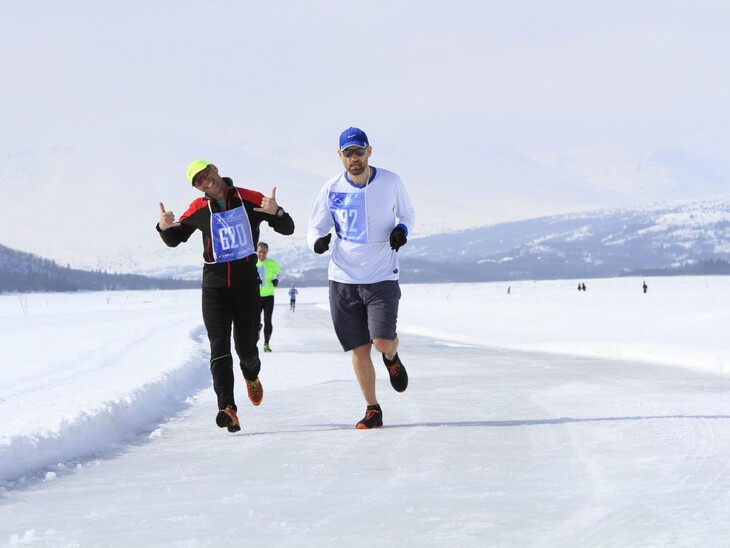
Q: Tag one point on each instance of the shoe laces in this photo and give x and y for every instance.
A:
(228, 410)
(370, 413)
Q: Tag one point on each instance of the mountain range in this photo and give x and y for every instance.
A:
(681, 237)
(685, 237)
(484, 211)
(95, 197)
(660, 239)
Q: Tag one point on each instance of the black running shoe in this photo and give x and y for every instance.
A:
(398, 374)
(373, 418)
(227, 418)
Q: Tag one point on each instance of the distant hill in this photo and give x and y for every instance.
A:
(691, 237)
(681, 238)
(677, 238)
(24, 272)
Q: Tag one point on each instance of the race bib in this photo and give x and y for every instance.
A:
(348, 211)
(231, 234)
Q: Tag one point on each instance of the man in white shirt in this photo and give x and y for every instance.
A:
(372, 215)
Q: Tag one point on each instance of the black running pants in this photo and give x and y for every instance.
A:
(236, 309)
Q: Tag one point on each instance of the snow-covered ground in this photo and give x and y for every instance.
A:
(540, 417)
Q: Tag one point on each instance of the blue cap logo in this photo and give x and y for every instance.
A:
(353, 137)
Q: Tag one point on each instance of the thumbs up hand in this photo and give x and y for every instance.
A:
(269, 204)
(167, 218)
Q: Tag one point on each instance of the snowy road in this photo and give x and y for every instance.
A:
(487, 447)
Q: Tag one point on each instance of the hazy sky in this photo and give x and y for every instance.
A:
(104, 104)
(535, 75)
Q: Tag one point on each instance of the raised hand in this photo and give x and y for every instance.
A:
(269, 205)
(167, 218)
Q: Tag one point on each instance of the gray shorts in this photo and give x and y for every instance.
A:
(363, 312)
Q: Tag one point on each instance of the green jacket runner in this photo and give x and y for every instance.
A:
(268, 271)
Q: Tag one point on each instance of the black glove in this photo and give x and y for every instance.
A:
(322, 244)
(398, 238)
(275, 282)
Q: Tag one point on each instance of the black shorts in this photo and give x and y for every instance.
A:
(363, 312)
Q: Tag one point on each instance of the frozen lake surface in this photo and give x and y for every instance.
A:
(542, 417)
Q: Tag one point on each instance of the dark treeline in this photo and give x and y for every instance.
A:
(22, 272)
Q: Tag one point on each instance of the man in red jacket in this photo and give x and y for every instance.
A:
(229, 219)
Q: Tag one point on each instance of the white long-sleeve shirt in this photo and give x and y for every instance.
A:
(363, 218)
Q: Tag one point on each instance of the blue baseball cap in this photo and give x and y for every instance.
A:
(353, 137)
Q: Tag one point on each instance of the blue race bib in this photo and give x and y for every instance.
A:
(348, 212)
(231, 234)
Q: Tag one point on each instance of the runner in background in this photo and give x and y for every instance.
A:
(293, 297)
(269, 275)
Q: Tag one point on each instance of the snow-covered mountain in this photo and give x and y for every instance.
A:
(95, 198)
(603, 243)
(119, 234)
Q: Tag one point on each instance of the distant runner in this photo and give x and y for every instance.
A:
(269, 274)
(293, 297)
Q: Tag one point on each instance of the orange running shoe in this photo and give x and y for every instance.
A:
(227, 418)
(255, 391)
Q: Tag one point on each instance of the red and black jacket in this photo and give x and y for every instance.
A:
(197, 217)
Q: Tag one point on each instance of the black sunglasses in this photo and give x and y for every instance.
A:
(348, 152)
